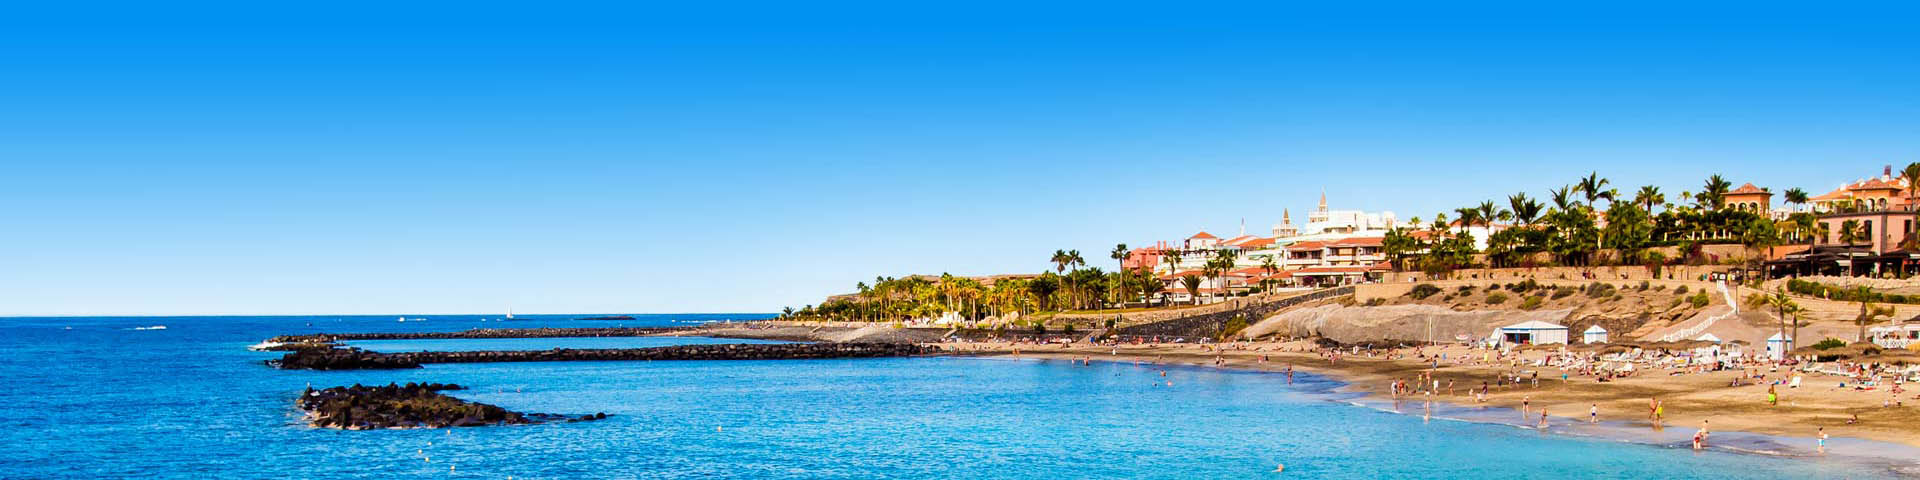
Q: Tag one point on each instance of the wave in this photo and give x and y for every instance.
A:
(154, 327)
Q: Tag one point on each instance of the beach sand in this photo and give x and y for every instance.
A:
(1688, 398)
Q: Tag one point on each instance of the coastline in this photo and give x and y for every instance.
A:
(1368, 380)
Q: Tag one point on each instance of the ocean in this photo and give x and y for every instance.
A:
(98, 397)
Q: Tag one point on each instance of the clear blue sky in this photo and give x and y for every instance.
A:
(560, 157)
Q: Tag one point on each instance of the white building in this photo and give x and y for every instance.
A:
(1594, 334)
(1345, 222)
(1533, 333)
(1778, 345)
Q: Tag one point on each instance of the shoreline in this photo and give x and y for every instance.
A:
(1365, 380)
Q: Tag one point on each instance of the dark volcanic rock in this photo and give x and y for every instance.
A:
(348, 359)
(486, 333)
(410, 406)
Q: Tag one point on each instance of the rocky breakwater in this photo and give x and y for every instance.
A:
(411, 406)
(329, 338)
(355, 359)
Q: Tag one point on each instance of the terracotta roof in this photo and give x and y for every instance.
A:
(1202, 235)
(1257, 242)
(1333, 270)
(1183, 273)
(1359, 242)
(1837, 194)
(1307, 246)
(1238, 240)
(1874, 184)
(1749, 189)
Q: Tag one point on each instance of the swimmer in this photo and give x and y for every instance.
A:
(1280, 468)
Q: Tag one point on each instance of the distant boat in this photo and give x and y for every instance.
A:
(509, 313)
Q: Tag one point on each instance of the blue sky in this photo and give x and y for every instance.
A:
(741, 156)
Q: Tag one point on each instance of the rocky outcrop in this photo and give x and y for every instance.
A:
(410, 406)
(1208, 323)
(485, 333)
(352, 359)
(1411, 323)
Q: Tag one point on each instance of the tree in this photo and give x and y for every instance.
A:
(1912, 174)
(1714, 195)
(1759, 233)
(1649, 196)
(1850, 233)
(1397, 243)
(1594, 188)
(1151, 287)
(1868, 311)
(1524, 209)
(786, 312)
(1269, 267)
(1173, 261)
(1781, 304)
(1119, 256)
(1193, 288)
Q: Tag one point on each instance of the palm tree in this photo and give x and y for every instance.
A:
(1119, 255)
(1396, 243)
(1868, 313)
(1173, 261)
(1781, 303)
(1150, 288)
(1193, 288)
(786, 312)
(1487, 213)
(1714, 196)
(1595, 188)
(1649, 195)
(1524, 209)
(1850, 233)
(1270, 267)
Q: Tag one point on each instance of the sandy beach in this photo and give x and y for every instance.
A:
(1688, 398)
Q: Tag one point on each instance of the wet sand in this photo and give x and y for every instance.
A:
(1689, 399)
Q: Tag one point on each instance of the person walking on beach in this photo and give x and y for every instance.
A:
(1543, 419)
(1593, 413)
(1773, 397)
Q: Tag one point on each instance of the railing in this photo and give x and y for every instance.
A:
(1690, 332)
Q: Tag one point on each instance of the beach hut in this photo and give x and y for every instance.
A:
(1778, 345)
(1594, 334)
(1533, 333)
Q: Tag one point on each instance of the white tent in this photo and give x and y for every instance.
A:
(1533, 332)
(1777, 346)
(1708, 337)
(1594, 334)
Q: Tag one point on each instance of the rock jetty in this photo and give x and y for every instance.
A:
(329, 338)
(412, 405)
(356, 359)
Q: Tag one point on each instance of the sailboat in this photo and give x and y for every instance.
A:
(509, 313)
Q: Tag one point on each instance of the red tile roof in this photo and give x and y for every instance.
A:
(1257, 242)
(1359, 242)
(1307, 246)
(1874, 184)
(1749, 189)
(1202, 235)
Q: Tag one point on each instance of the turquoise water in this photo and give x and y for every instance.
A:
(100, 400)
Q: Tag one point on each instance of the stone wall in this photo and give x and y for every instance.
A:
(1209, 323)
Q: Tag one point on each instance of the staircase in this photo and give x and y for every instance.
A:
(1694, 331)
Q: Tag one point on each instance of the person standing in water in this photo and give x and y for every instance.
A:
(1821, 441)
(1593, 413)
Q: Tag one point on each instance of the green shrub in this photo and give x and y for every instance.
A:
(1493, 287)
(1829, 343)
(1531, 303)
(1682, 290)
(1563, 292)
(1659, 288)
(1422, 291)
(1676, 302)
(1644, 284)
(1524, 285)
(1699, 300)
(1599, 290)
(1465, 289)
(1496, 298)
(1376, 302)
(1233, 327)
